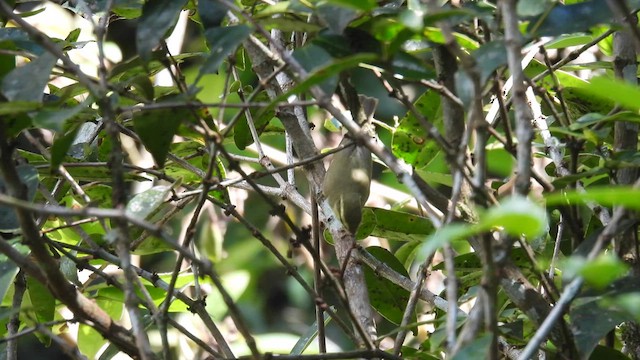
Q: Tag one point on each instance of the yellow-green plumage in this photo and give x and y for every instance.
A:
(348, 178)
(347, 182)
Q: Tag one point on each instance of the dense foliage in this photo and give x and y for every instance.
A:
(162, 164)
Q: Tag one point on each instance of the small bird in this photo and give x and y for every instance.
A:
(348, 179)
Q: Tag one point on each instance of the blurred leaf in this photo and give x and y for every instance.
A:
(388, 298)
(568, 40)
(566, 19)
(335, 17)
(241, 132)
(410, 141)
(29, 177)
(9, 269)
(531, 7)
(144, 204)
(603, 270)
(44, 304)
(89, 341)
(211, 13)
(235, 283)
(476, 349)
(222, 41)
(518, 216)
(156, 129)
(55, 119)
(289, 24)
(596, 118)
(441, 237)
(313, 57)
(61, 144)
(616, 91)
(158, 16)
(603, 352)
(584, 316)
(27, 82)
(607, 196)
(307, 338)
(489, 57)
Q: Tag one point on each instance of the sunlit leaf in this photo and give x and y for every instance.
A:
(517, 216)
(410, 140)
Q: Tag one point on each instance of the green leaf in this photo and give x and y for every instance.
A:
(321, 74)
(313, 57)
(477, 349)
(61, 145)
(566, 19)
(8, 269)
(158, 16)
(144, 204)
(89, 341)
(44, 304)
(388, 298)
(27, 82)
(55, 119)
(235, 283)
(393, 225)
(17, 107)
(565, 41)
(410, 141)
(337, 18)
(585, 315)
(531, 7)
(603, 270)
(363, 5)
(607, 196)
(596, 118)
(156, 129)
(211, 13)
(489, 57)
(518, 216)
(241, 132)
(616, 91)
(29, 177)
(222, 41)
(307, 338)
(441, 237)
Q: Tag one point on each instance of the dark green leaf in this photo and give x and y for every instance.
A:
(158, 16)
(388, 298)
(583, 318)
(477, 349)
(336, 18)
(567, 19)
(222, 42)
(27, 82)
(9, 269)
(241, 132)
(29, 177)
(156, 129)
(211, 12)
(489, 57)
(313, 57)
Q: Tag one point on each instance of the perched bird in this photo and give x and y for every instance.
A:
(348, 179)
